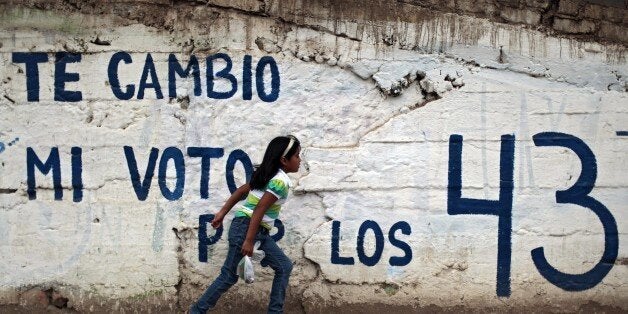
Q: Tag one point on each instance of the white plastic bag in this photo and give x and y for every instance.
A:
(245, 267)
(258, 254)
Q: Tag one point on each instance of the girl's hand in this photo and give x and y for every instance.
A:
(217, 221)
(247, 248)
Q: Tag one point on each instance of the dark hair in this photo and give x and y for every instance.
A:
(272, 160)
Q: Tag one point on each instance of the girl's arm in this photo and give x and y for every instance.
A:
(258, 213)
(233, 199)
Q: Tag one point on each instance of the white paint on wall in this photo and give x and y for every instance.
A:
(375, 124)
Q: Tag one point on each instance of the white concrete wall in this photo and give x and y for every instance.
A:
(375, 123)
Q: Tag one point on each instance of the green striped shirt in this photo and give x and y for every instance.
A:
(278, 186)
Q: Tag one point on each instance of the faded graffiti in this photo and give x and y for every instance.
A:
(11, 143)
(76, 243)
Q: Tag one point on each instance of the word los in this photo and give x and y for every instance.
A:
(204, 240)
(148, 78)
(402, 226)
(141, 186)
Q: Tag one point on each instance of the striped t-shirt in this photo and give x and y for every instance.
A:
(278, 186)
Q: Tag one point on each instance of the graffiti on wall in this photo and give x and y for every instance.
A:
(578, 194)
(159, 162)
(149, 78)
(141, 184)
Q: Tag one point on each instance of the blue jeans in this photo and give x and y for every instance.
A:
(275, 258)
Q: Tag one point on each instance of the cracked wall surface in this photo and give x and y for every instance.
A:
(377, 93)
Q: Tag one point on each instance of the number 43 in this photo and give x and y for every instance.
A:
(577, 194)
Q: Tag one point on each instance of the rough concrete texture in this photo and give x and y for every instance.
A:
(375, 91)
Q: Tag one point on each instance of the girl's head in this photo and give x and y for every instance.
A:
(283, 152)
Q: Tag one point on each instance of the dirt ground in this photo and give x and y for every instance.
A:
(347, 309)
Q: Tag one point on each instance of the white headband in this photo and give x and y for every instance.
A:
(285, 152)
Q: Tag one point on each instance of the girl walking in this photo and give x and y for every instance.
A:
(266, 192)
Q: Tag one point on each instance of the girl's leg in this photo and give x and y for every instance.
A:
(228, 274)
(227, 278)
(282, 266)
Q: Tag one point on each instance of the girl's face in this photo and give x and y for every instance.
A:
(292, 164)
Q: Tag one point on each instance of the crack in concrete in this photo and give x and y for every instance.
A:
(381, 189)
(319, 270)
(402, 111)
(317, 28)
(181, 263)
(584, 232)
(432, 186)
